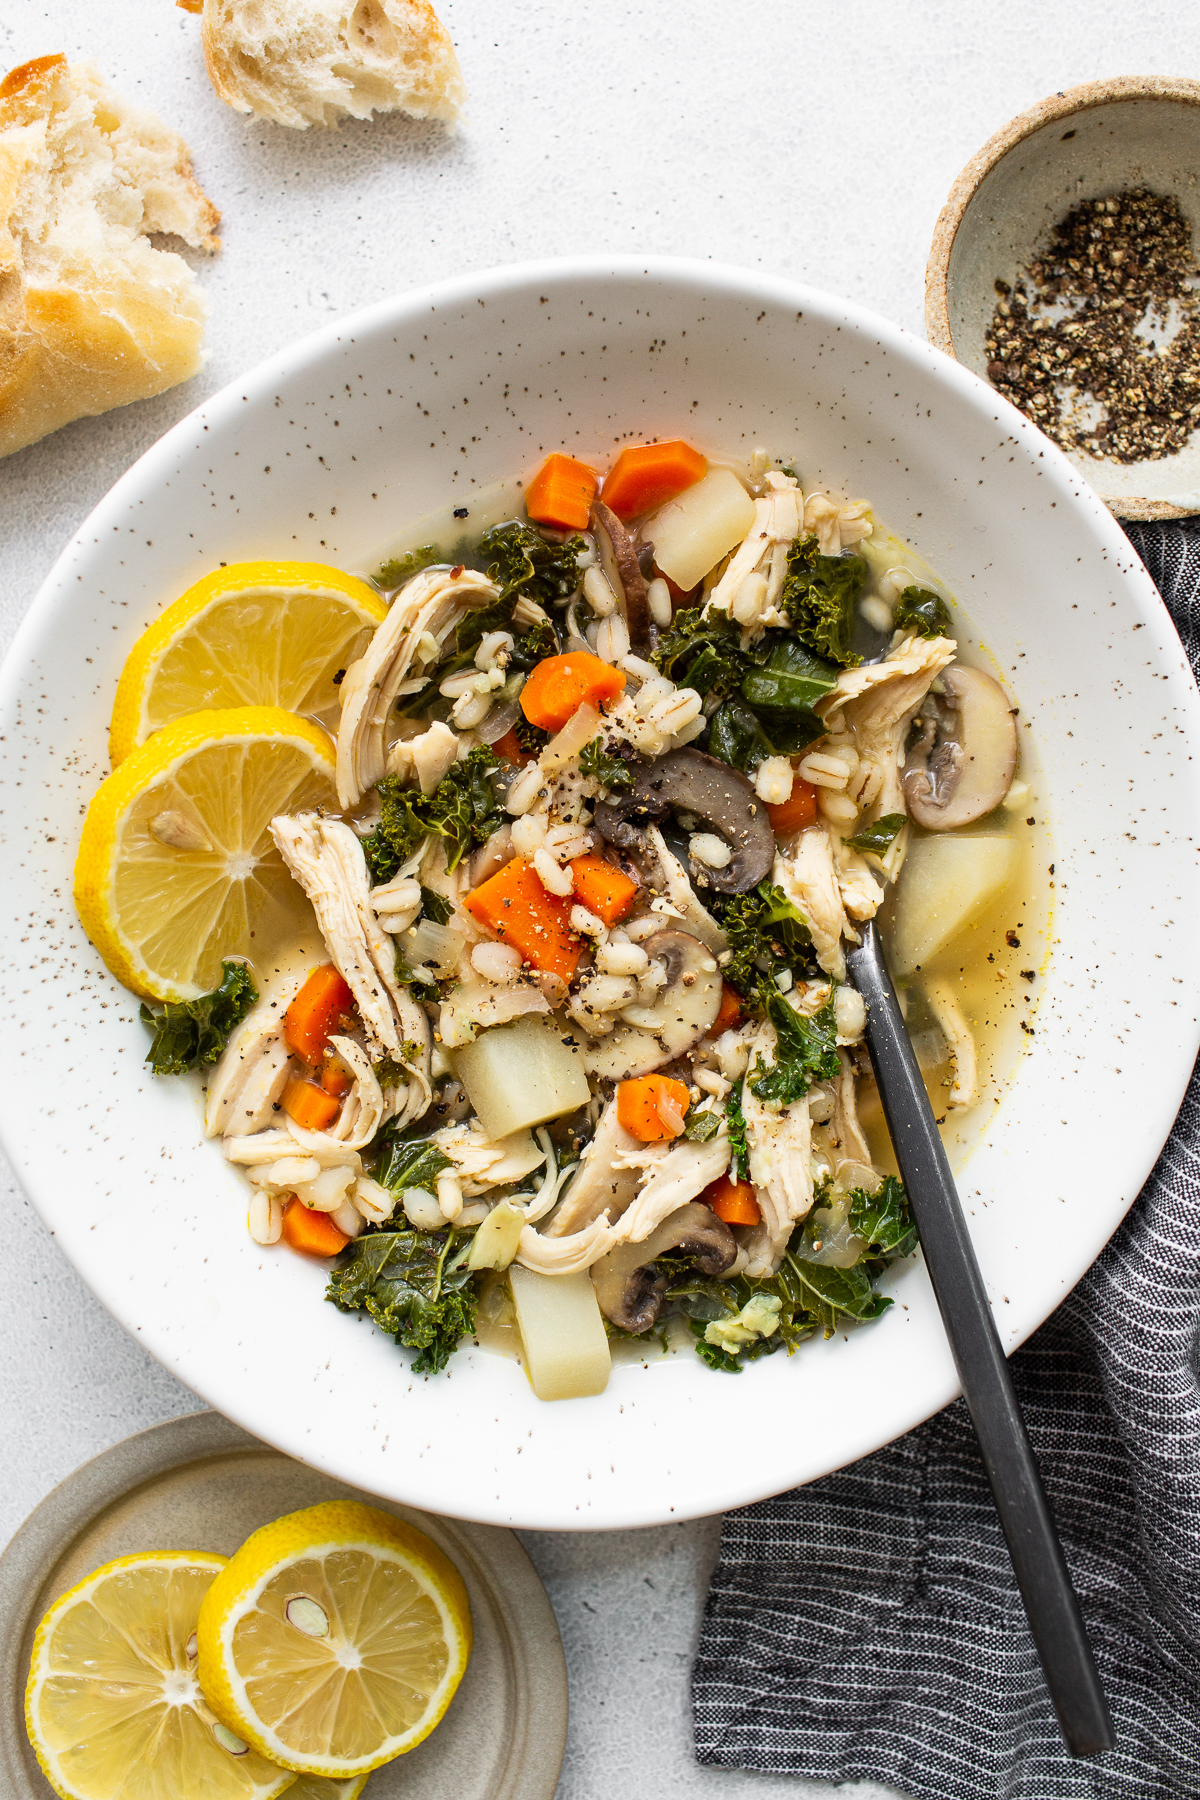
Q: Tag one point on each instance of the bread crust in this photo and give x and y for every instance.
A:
(88, 326)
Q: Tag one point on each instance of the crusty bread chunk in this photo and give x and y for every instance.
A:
(91, 314)
(313, 62)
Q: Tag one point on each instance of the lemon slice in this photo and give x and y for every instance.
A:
(335, 1639)
(324, 1787)
(176, 867)
(252, 634)
(113, 1706)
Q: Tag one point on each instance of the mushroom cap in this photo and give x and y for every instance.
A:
(962, 768)
(682, 1013)
(619, 560)
(721, 797)
(628, 1290)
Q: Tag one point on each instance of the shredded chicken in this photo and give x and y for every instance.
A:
(947, 1009)
(839, 524)
(859, 885)
(327, 860)
(481, 1162)
(364, 1109)
(605, 1182)
(809, 879)
(780, 1147)
(246, 1084)
(424, 759)
(408, 642)
(876, 704)
(778, 519)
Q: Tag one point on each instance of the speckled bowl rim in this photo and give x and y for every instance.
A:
(1062, 105)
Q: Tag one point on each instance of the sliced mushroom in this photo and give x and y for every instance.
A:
(630, 1291)
(688, 781)
(961, 763)
(619, 560)
(682, 1012)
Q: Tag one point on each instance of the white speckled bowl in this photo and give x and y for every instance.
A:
(325, 452)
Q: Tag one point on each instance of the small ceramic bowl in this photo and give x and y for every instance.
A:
(1130, 131)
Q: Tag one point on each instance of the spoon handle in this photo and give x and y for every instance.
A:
(1050, 1602)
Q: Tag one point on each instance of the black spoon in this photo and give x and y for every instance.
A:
(1050, 1602)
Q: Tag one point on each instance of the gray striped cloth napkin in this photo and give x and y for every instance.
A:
(867, 1628)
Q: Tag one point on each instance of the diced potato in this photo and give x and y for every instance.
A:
(562, 1330)
(521, 1074)
(691, 535)
(946, 884)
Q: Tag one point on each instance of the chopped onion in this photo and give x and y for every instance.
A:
(437, 945)
(579, 730)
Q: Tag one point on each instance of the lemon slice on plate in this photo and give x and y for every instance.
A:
(177, 868)
(335, 1639)
(324, 1787)
(113, 1705)
(252, 634)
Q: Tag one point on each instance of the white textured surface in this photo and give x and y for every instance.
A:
(819, 143)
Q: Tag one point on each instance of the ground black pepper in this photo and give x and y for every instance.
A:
(1098, 342)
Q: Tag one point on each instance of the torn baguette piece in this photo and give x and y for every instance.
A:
(92, 315)
(315, 62)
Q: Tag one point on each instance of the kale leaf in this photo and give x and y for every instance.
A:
(191, 1033)
(765, 692)
(531, 738)
(435, 907)
(409, 1163)
(789, 681)
(463, 809)
(832, 1295)
(805, 1051)
(735, 1124)
(739, 737)
(925, 613)
(878, 837)
(541, 640)
(883, 1220)
(820, 595)
(520, 561)
(702, 653)
(399, 569)
(415, 1285)
(609, 769)
(766, 933)
(701, 1123)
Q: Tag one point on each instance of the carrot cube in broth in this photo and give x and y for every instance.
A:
(517, 909)
(646, 476)
(560, 685)
(314, 1233)
(314, 1013)
(561, 493)
(651, 1108)
(310, 1106)
(733, 1201)
(603, 889)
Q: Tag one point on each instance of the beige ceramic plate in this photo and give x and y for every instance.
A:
(201, 1483)
(1129, 131)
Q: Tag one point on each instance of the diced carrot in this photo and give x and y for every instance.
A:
(648, 475)
(729, 1012)
(603, 889)
(314, 1012)
(509, 747)
(311, 1107)
(798, 810)
(561, 493)
(560, 685)
(334, 1078)
(640, 1109)
(515, 906)
(733, 1201)
(312, 1232)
